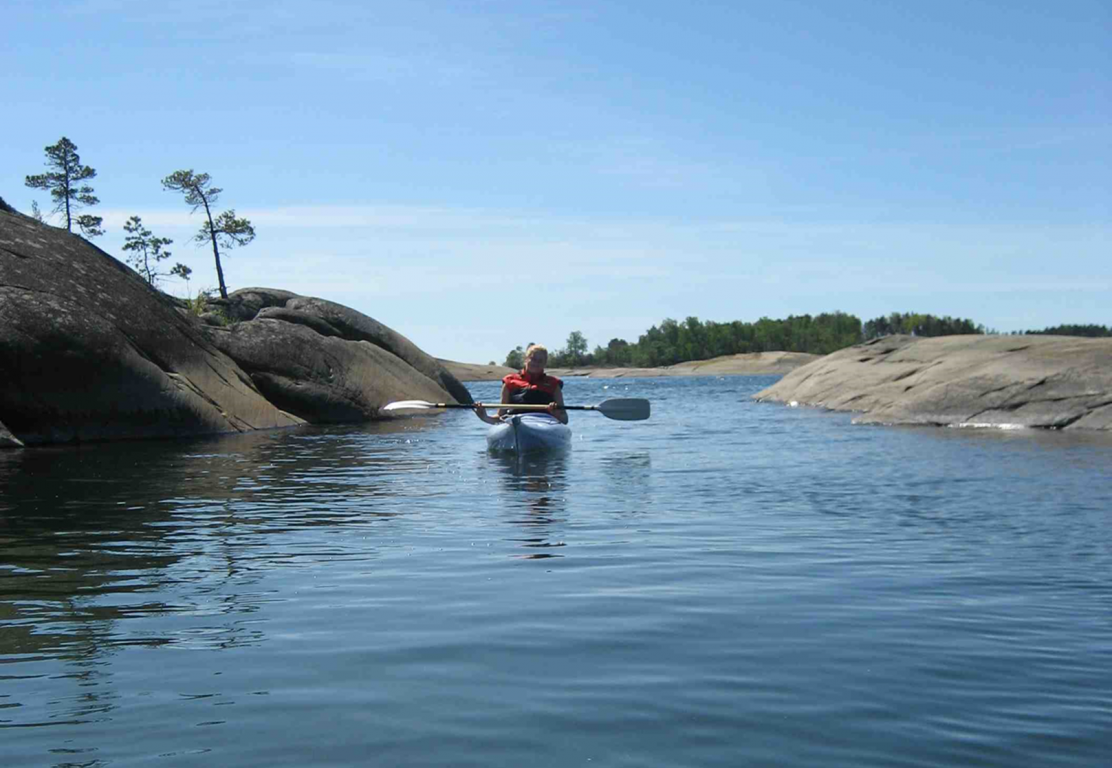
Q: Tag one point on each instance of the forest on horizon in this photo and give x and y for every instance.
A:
(673, 342)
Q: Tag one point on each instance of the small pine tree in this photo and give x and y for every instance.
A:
(65, 188)
(146, 249)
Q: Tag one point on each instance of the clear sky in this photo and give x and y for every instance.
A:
(482, 174)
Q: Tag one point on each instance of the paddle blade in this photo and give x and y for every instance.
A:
(625, 409)
(408, 405)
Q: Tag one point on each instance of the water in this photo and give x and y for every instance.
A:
(726, 584)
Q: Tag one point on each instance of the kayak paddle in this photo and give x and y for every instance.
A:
(619, 408)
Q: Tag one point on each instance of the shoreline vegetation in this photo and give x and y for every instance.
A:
(694, 341)
(751, 364)
(973, 380)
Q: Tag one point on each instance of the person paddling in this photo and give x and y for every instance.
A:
(530, 386)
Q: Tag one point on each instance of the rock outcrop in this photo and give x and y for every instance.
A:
(328, 318)
(1053, 382)
(89, 351)
(307, 366)
(475, 371)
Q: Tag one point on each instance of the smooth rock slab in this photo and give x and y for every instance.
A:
(89, 351)
(322, 379)
(1054, 382)
(328, 318)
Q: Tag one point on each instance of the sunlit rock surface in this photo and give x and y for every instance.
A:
(328, 318)
(89, 351)
(322, 378)
(1054, 382)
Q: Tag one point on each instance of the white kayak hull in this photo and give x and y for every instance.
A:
(529, 432)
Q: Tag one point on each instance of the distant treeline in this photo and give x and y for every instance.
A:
(915, 324)
(674, 342)
(1092, 331)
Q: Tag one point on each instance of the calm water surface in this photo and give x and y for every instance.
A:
(726, 584)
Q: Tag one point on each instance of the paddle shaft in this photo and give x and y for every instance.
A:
(620, 408)
(514, 406)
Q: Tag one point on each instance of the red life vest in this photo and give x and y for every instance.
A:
(527, 389)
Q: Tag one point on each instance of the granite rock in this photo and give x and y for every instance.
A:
(90, 351)
(1054, 382)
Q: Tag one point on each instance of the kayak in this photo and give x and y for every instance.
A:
(529, 432)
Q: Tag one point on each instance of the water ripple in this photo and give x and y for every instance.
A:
(728, 583)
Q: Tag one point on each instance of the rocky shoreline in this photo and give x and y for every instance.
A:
(89, 352)
(1048, 382)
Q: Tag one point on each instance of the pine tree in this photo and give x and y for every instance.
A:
(146, 249)
(64, 185)
(225, 230)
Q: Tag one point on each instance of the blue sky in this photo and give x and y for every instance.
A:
(483, 174)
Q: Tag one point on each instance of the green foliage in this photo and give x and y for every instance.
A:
(576, 348)
(515, 358)
(198, 305)
(573, 354)
(916, 324)
(196, 187)
(672, 342)
(225, 230)
(1090, 331)
(182, 271)
(66, 189)
(90, 225)
(617, 353)
(145, 249)
(202, 305)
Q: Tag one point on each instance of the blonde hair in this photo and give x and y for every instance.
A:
(534, 348)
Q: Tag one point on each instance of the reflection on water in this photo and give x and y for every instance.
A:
(631, 484)
(537, 483)
(137, 518)
(165, 544)
(841, 592)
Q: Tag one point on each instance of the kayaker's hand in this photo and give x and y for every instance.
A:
(481, 412)
(557, 412)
